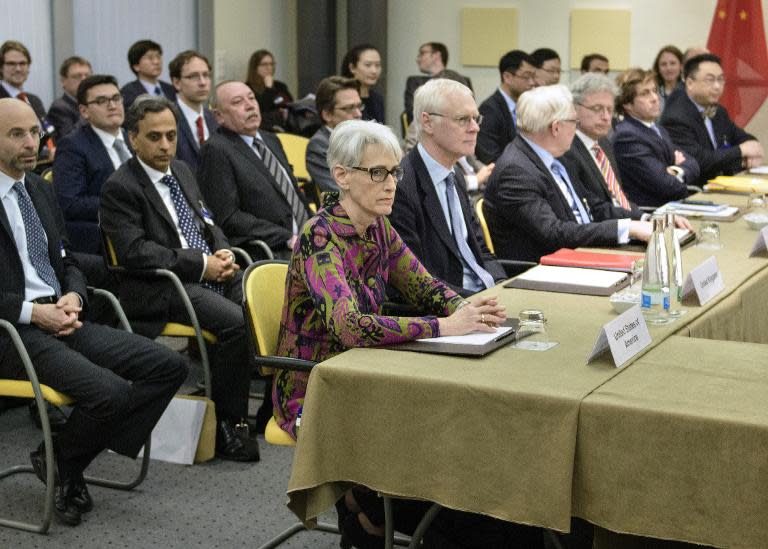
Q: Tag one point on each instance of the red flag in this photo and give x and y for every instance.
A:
(738, 38)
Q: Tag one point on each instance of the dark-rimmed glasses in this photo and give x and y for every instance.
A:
(379, 173)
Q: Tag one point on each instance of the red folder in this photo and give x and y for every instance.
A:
(565, 257)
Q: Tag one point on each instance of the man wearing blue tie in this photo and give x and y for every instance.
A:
(432, 211)
(533, 205)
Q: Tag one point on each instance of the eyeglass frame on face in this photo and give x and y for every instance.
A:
(267, 64)
(16, 64)
(529, 77)
(598, 109)
(462, 121)
(17, 134)
(396, 173)
(349, 109)
(551, 71)
(711, 80)
(103, 101)
(197, 76)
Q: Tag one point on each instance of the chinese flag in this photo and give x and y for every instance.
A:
(738, 38)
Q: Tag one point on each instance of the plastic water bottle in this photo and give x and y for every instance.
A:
(675, 267)
(655, 288)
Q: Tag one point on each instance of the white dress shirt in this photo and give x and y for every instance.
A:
(191, 117)
(109, 143)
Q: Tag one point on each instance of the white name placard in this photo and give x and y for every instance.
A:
(705, 280)
(761, 243)
(626, 335)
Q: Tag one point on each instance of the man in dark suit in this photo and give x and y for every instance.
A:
(548, 68)
(191, 77)
(154, 215)
(517, 70)
(246, 178)
(590, 157)
(431, 59)
(432, 211)
(87, 157)
(702, 128)
(145, 58)
(337, 100)
(64, 113)
(532, 204)
(121, 382)
(653, 170)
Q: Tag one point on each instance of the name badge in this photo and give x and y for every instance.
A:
(705, 280)
(761, 243)
(207, 216)
(626, 335)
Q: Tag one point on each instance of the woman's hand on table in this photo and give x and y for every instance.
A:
(480, 314)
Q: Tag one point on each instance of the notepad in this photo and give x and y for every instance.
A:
(475, 338)
(570, 280)
(760, 170)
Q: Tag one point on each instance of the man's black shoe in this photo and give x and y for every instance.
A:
(79, 495)
(63, 507)
(231, 446)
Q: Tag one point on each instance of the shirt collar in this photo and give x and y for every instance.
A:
(544, 155)
(6, 183)
(588, 141)
(107, 138)
(249, 139)
(437, 171)
(154, 175)
(648, 125)
(150, 87)
(188, 112)
(12, 90)
(511, 104)
(698, 107)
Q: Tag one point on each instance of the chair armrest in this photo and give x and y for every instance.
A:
(693, 189)
(284, 363)
(263, 245)
(109, 296)
(514, 267)
(242, 253)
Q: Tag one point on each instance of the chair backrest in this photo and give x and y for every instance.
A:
(483, 224)
(109, 249)
(47, 175)
(404, 123)
(295, 147)
(263, 297)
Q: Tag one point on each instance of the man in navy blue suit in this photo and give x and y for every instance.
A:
(145, 58)
(653, 170)
(64, 113)
(191, 76)
(84, 160)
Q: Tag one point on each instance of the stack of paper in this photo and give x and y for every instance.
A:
(570, 280)
(719, 211)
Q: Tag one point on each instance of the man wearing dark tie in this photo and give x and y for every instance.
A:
(191, 77)
(432, 211)
(152, 211)
(533, 205)
(121, 382)
(64, 113)
(703, 129)
(653, 169)
(245, 176)
(517, 70)
(145, 58)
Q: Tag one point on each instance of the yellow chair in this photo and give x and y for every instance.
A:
(47, 175)
(484, 224)
(404, 124)
(32, 388)
(295, 147)
(171, 329)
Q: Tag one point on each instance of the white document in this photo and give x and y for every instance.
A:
(626, 335)
(761, 170)
(761, 243)
(573, 275)
(726, 212)
(705, 279)
(676, 206)
(475, 338)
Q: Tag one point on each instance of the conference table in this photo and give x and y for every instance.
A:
(673, 445)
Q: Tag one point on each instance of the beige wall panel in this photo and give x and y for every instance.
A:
(487, 34)
(601, 31)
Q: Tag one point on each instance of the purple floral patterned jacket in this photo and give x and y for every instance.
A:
(334, 294)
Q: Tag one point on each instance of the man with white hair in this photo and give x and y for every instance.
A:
(432, 211)
(533, 205)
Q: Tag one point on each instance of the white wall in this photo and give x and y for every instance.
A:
(244, 26)
(29, 22)
(542, 23)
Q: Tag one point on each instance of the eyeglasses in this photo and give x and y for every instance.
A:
(598, 109)
(17, 134)
(349, 109)
(525, 76)
(103, 100)
(462, 121)
(198, 76)
(379, 173)
(573, 121)
(552, 71)
(710, 80)
(267, 64)
(14, 64)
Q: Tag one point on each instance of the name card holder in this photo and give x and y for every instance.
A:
(760, 247)
(704, 282)
(626, 335)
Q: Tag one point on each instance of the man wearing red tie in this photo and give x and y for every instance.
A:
(191, 77)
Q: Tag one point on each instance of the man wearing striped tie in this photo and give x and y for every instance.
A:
(246, 178)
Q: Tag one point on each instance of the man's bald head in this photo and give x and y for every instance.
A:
(19, 137)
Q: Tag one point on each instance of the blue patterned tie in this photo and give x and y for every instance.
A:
(37, 246)
(468, 258)
(188, 227)
(298, 210)
(577, 207)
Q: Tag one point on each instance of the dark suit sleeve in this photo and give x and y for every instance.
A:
(405, 211)
(318, 167)
(59, 117)
(635, 156)
(218, 182)
(526, 203)
(123, 221)
(491, 134)
(71, 173)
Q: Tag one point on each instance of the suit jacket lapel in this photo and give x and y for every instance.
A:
(98, 147)
(5, 223)
(46, 219)
(588, 161)
(533, 157)
(153, 197)
(249, 154)
(432, 203)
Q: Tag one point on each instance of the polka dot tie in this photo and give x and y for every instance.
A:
(188, 227)
(37, 247)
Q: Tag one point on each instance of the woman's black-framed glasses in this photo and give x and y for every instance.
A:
(379, 173)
